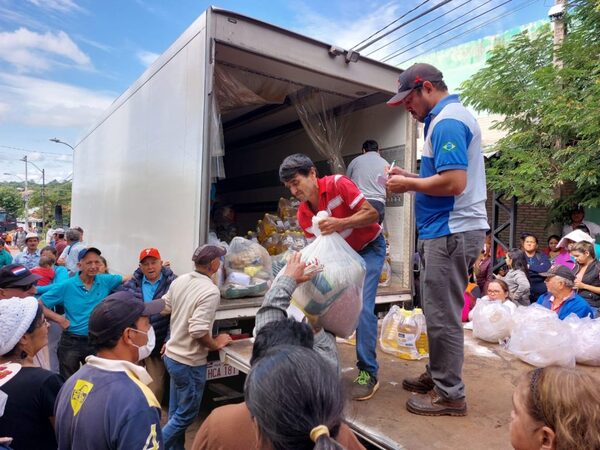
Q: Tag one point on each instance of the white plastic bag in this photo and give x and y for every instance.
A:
(540, 338)
(248, 270)
(492, 320)
(586, 334)
(333, 298)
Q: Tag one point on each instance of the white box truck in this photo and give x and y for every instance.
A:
(214, 116)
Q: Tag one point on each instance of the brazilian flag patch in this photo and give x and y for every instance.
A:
(449, 146)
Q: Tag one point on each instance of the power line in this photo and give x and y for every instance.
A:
(419, 27)
(391, 23)
(417, 42)
(424, 13)
(32, 151)
(508, 13)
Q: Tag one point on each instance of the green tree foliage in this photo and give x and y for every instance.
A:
(10, 200)
(551, 114)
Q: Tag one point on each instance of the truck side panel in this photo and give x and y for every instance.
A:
(142, 163)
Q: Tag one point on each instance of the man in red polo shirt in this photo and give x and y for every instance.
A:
(356, 221)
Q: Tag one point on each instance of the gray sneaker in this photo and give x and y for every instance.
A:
(364, 387)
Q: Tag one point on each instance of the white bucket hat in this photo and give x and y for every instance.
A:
(575, 236)
(16, 315)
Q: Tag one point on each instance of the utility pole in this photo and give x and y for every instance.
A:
(26, 194)
(43, 198)
(557, 16)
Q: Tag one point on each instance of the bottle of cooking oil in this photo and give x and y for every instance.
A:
(422, 341)
(389, 329)
(408, 333)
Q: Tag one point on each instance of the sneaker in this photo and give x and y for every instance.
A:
(421, 385)
(364, 387)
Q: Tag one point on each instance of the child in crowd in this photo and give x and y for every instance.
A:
(516, 278)
(45, 270)
(556, 408)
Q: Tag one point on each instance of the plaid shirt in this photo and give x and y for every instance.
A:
(274, 307)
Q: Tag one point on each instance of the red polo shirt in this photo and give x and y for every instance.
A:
(341, 198)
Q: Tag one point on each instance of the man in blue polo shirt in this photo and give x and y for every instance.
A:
(451, 221)
(561, 296)
(78, 295)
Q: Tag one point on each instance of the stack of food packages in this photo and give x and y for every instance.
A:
(385, 279)
(280, 233)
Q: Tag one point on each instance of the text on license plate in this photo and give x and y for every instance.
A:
(218, 369)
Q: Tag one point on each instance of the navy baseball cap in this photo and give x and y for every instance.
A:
(16, 275)
(85, 251)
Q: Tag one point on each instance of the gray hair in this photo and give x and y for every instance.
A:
(73, 235)
(568, 283)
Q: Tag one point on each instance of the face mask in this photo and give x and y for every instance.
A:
(145, 350)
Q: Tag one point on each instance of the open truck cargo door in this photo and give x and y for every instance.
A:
(210, 121)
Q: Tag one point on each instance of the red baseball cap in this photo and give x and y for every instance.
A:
(151, 251)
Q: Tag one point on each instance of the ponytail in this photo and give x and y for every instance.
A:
(323, 441)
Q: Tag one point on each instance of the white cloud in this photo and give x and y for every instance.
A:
(38, 102)
(62, 6)
(349, 29)
(31, 51)
(146, 58)
(4, 109)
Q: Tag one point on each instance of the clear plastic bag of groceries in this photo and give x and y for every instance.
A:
(540, 338)
(586, 335)
(333, 298)
(248, 269)
(404, 334)
(492, 320)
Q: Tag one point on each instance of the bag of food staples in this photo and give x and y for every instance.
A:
(248, 271)
(333, 298)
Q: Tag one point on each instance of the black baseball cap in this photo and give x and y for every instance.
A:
(117, 312)
(559, 271)
(207, 252)
(16, 275)
(413, 78)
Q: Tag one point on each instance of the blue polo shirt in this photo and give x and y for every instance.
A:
(78, 301)
(574, 304)
(452, 142)
(149, 288)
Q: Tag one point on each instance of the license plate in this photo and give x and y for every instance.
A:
(218, 369)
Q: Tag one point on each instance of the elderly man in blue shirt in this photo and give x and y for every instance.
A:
(149, 282)
(561, 296)
(78, 295)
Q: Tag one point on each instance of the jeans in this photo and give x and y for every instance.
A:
(72, 351)
(445, 264)
(186, 389)
(366, 333)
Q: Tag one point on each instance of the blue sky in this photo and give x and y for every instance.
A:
(62, 62)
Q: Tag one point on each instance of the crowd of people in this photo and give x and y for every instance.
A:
(85, 354)
(564, 277)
